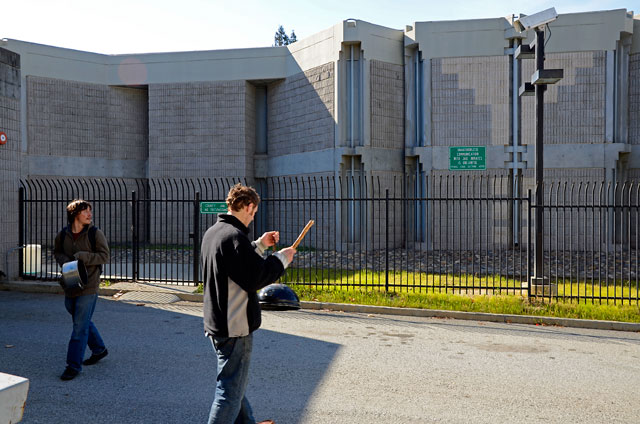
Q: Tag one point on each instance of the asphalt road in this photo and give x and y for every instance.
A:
(322, 367)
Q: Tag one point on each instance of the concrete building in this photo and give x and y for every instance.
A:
(356, 99)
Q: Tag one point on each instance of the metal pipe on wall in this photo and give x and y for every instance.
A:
(417, 97)
(515, 139)
(352, 119)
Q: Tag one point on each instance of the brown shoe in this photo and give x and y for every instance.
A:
(267, 422)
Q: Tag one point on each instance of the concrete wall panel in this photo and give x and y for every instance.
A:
(301, 112)
(197, 129)
(470, 101)
(10, 157)
(70, 119)
(249, 130)
(575, 106)
(387, 105)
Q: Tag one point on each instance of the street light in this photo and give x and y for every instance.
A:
(538, 85)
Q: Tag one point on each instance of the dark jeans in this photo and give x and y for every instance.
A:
(84, 332)
(230, 405)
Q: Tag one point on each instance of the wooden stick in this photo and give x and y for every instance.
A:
(304, 232)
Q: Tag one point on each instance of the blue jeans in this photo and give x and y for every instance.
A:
(84, 332)
(230, 405)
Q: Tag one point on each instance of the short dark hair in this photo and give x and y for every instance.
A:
(240, 196)
(75, 207)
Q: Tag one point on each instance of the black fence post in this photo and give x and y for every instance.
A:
(386, 241)
(21, 219)
(134, 235)
(196, 239)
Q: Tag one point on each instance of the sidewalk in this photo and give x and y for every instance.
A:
(149, 292)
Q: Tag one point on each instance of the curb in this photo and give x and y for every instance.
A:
(49, 287)
(31, 287)
(54, 288)
(477, 316)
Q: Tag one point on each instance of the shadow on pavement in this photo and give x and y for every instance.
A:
(160, 367)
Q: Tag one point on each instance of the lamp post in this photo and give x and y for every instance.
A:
(539, 81)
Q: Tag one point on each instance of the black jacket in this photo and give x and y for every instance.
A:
(233, 269)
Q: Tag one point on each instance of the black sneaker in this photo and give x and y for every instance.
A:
(95, 358)
(69, 374)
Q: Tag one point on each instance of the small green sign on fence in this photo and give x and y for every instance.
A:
(213, 207)
(468, 158)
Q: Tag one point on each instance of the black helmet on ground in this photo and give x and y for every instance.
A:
(278, 297)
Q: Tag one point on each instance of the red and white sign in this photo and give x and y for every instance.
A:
(3, 138)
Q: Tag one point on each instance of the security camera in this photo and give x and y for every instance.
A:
(535, 20)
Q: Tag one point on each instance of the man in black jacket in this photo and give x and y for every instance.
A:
(233, 269)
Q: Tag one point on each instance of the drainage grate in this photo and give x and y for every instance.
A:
(148, 297)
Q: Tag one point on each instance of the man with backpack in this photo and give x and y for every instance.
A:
(83, 242)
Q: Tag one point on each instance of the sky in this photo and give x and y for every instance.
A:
(148, 26)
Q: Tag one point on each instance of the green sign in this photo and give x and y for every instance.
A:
(467, 158)
(213, 207)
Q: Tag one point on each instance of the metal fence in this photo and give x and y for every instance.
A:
(590, 241)
(449, 234)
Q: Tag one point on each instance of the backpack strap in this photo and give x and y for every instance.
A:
(92, 237)
(63, 234)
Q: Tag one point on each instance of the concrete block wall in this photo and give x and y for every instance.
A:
(571, 187)
(574, 114)
(290, 217)
(387, 105)
(301, 112)
(71, 118)
(377, 210)
(470, 101)
(66, 118)
(128, 123)
(634, 99)
(575, 106)
(197, 129)
(464, 223)
(332, 229)
(10, 157)
(249, 130)
(187, 129)
(470, 106)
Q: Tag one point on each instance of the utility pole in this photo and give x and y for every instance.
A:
(542, 77)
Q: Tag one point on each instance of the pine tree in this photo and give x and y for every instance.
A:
(281, 38)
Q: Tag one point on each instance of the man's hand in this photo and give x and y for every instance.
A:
(288, 252)
(270, 238)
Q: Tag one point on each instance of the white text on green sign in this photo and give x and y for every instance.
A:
(467, 158)
(213, 207)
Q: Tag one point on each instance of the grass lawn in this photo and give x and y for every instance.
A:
(465, 293)
(490, 294)
(496, 304)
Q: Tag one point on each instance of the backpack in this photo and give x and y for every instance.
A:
(92, 239)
